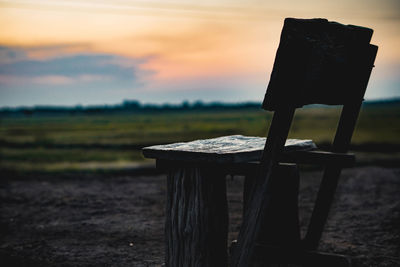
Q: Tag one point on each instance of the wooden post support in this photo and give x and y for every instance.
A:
(196, 224)
(281, 227)
(260, 203)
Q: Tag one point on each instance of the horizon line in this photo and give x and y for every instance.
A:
(126, 102)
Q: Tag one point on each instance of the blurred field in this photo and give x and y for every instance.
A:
(60, 142)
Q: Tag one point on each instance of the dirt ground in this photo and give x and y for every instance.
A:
(117, 219)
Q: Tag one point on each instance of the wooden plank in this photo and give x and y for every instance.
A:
(331, 177)
(260, 203)
(196, 224)
(252, 168)
(341, 144)
(225, 149)
(315, 64)
(319, 158)
(282, 224)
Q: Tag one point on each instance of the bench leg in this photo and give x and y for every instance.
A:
(248, 187)
(281, 226)
(196, 226)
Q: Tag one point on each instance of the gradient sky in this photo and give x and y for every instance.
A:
(69, 52)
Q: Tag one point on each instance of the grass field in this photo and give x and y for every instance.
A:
(78, 141)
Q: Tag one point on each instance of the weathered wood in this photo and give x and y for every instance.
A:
(319, 158)
(331, 176)
(248, 187)
(281, 226)
(225, 149)
(341, 144)
(260, 204)
(196, 225)
(252, 168)
(317, 62)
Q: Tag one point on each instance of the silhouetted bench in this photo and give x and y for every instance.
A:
(317, 62)
(197, 214)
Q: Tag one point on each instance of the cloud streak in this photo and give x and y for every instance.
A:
(68, 78)
(17, 68)
(93, 52)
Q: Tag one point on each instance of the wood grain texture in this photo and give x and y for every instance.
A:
(225, 149)
(196, 224)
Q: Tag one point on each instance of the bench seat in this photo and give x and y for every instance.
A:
(225, 149)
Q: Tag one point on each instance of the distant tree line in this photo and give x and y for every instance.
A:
(134, 106)
(127, 106)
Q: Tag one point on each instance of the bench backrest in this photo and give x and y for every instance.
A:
(317, 62)
(320, 62)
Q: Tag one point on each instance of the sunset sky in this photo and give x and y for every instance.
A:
(69, 52)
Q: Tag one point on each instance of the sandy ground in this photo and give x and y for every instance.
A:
(117, 219)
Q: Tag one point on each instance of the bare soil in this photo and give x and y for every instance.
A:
(91, 219)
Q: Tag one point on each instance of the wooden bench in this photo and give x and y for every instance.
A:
(317, 62)
(197, 212)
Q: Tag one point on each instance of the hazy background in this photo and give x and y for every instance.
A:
(70, 52)
(181, 55)
(85, 85)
